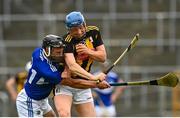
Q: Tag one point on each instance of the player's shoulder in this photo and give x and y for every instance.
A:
(37, 54)
(36, 51)
(67, 38)
(92, 28)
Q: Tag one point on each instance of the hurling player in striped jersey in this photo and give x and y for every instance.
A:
(83, 46)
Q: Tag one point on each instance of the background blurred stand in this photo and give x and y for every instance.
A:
(3, 103)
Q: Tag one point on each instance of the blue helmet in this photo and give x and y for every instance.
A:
(74, 19)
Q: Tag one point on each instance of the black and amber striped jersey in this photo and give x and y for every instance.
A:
(92, 39)
(20, 80)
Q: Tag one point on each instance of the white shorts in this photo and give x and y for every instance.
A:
(103, 111)
(27, 107)
(79, 96)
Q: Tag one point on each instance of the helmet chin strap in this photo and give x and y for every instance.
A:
(49, 52)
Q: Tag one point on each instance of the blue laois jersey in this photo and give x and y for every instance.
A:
(42, 77)
(104, 96)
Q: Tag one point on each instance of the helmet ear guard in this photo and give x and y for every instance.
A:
(49, 52)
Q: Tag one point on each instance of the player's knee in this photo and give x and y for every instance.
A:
(63, 113)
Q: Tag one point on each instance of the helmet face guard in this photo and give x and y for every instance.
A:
(56, 55)
(53, 48)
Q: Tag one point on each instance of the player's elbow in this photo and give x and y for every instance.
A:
(103, 58)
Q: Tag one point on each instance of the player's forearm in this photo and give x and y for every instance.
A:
(97, 55)
(83, 84)
(116, 94)
(79, 83)
(76, 69)
(12, 92)
(118, 91)
(10, 87)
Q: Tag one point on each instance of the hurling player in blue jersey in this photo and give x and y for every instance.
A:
(46, 72)
(104, 100)
(43, 75)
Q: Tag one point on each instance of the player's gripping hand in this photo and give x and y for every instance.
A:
(82, 49)
(100, 77)
(103, 85)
